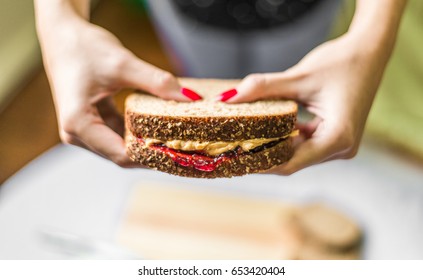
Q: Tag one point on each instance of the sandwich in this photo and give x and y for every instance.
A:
(209, 138)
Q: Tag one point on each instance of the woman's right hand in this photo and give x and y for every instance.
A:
(86, 65)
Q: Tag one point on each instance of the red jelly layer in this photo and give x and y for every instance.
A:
(196, 160)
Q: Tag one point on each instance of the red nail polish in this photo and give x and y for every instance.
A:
(191, 94)
(228, 94)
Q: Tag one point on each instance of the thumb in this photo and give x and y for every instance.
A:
(264, 86)
(144, 76)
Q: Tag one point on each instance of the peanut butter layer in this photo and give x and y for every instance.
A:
(214, 148)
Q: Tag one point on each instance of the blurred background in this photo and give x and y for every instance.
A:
(381, 190)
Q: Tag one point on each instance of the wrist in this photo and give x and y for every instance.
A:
(59, 17)
(367, 47)
(375, 26)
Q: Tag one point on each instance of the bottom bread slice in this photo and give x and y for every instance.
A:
(237, 166)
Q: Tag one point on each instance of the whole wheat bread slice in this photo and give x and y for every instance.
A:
(148, 116)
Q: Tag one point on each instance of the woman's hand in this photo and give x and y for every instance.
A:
(86, 66)
(337, 82)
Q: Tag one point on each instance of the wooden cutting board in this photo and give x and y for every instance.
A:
(171, 222)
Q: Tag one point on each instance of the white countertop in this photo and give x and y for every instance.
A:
(74, 191)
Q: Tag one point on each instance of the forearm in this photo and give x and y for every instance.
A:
(376, 24)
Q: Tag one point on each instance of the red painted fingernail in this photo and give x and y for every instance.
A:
(191, 94)
(228, 94)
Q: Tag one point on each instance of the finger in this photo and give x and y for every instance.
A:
(72, 140)
(101, 139)
(283, 85)
(107, 143)
(317, 149)
(76, 141)
(307, 129)
(308, 153)
(142, 75)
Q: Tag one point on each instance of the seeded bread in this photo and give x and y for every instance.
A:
(150, 117)
(244, 164)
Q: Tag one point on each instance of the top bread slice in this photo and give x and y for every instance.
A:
(148, 116)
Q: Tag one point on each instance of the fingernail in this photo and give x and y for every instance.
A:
(228, 94)
(191, 94)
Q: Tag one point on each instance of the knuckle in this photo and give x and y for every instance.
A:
(257, 81)
(164, 81)
(71, 123)
(348, 145)
(117, 62)
(348, 141)
(301, 71)
(286, 170)
(68, 127)
(67, 138)
(345, 139)
(122, 161)
(351, 153)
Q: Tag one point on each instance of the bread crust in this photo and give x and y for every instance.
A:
(209, 128)
(244, 164)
